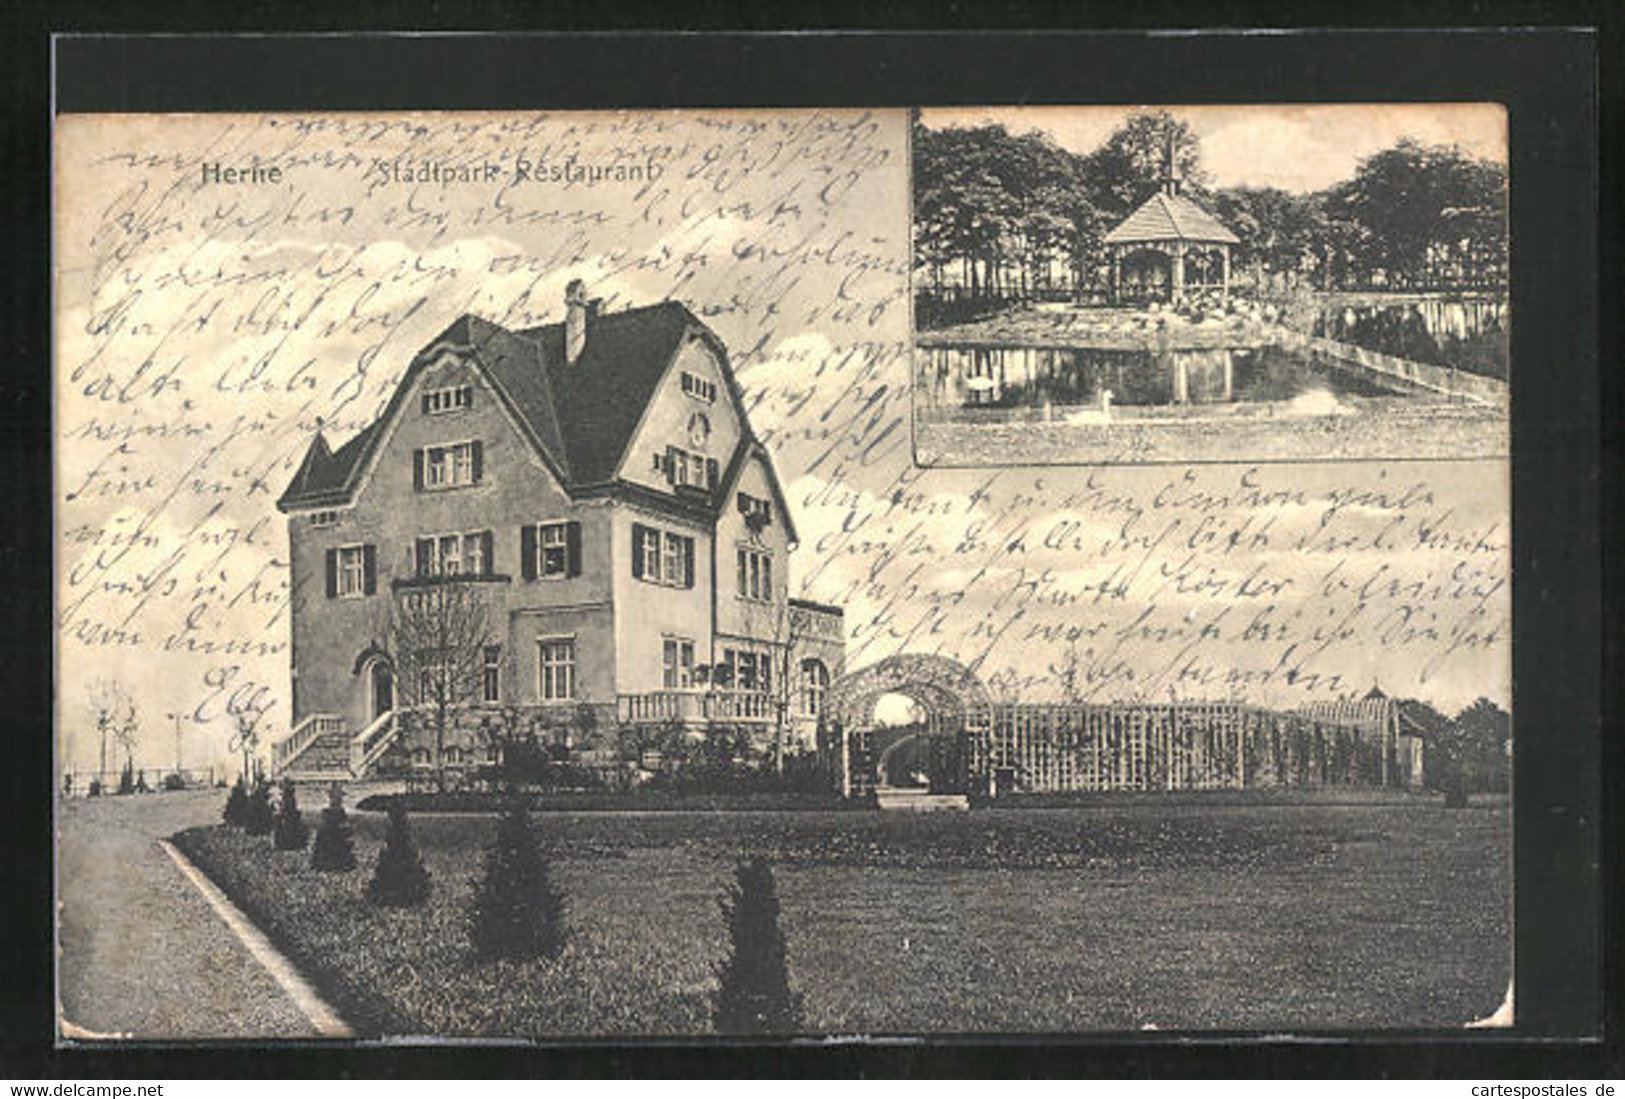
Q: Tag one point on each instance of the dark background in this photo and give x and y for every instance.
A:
(1565, 417)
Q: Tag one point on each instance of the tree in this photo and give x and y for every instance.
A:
(516, 913)
(334, 848)
(236, 811)
(436, 637)
(292, 834)
(260, 818)
(1442, 747)
(399, 881)
(114, 713)
(1485, 733)
(753, 993)
(1123, 171)
(247, 712)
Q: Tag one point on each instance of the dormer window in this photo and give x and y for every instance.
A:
(324, 519)
(701, 389)
(447, 399)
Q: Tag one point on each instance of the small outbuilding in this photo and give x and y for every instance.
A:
(1169, 247)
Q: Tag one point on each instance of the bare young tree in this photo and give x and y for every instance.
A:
(247, 713)
(437, 636)
(112, 709)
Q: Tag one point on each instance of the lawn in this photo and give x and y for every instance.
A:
(1109, 917)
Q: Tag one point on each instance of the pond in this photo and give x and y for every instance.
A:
(1110, 383)
(1467, 333)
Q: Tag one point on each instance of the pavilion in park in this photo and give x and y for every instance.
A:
(1169, 247)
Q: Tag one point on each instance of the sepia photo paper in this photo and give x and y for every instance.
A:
(624, 575)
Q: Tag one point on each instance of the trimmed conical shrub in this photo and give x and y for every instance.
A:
(236, 813)
(260, 818)
(516, 912)
(753, 993)
(291, 832)
(400, 879)
(334, 848)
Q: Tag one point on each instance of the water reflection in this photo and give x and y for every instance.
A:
(1469, 334)
(1067, 378)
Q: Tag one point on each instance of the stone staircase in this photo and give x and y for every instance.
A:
(918, 799)
(325, 759)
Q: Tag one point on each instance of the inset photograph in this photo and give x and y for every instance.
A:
(1102, 285)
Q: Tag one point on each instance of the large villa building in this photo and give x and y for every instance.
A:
(595, 489)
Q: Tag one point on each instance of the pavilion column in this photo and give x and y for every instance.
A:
(1224, 272)
(1229, 359)
(1117, 274)
(1176, 289)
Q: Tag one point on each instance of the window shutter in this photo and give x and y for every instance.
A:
(417, 469)
(421, 553)
(332, 573)
(671, 465)
(425, 402)
(638, 534)
(369, 569)
(744, 504)
(479, 461)
(711, 473)
(688, 562)
(527, 552)
(572, 548)
(487, 549)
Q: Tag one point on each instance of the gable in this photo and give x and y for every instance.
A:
(690, 409)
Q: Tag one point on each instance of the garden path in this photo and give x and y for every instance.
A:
(142, 953)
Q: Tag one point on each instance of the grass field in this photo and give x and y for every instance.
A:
(1116, 917)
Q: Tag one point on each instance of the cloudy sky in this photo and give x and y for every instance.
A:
(1296, 148)
(203, 329)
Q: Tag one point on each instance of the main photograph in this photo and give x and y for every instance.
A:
(498, 598)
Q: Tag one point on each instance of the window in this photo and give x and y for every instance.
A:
(352, 571)
(749, 671)
(687, 469)
(755, 574)
(701, 389)
(677, 664)
(662, 556)
(447, 399)
(814, 686)
(558, 669)
(757, 511)
(551, 551)
(454, 554)
(324, 518)
(450, 466)
(491, 675)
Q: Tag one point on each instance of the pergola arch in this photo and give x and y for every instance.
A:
(957, 705)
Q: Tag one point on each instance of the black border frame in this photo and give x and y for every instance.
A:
(1549, 80)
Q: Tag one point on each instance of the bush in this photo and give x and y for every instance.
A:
(260, 817)
(334, 848)
(516, 912)
(236, 813)
(291, 832)
(753, 994)
(126, 779)
(95, 790)
(400, 880)
(174, 781)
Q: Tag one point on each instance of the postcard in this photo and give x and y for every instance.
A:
(563, 575)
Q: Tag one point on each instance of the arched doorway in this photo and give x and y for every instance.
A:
(946, 741)
(378, 676)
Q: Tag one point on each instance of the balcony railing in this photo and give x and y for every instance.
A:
(656, 707)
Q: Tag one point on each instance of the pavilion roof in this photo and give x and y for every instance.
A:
(1170, 217)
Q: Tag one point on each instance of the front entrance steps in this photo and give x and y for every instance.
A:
(918, 799)
(325, 759)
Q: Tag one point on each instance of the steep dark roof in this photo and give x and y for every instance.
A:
(579, 416)
(1170, 217)
(602, 395)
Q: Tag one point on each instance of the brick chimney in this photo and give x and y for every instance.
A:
(577, 311)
